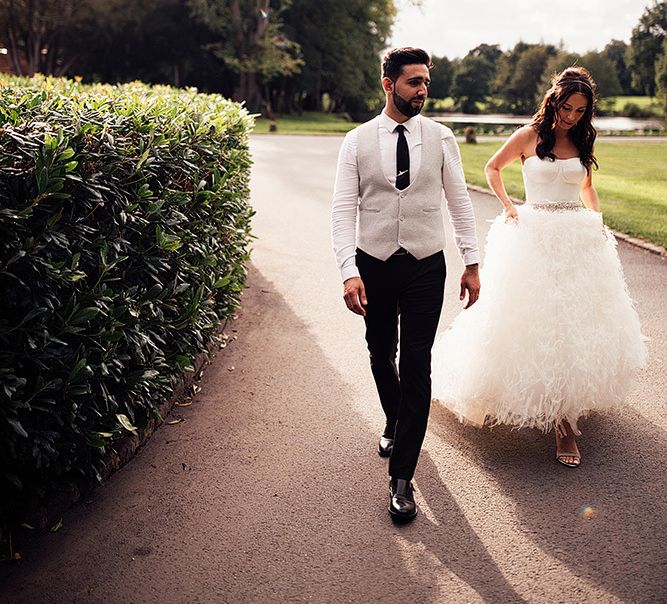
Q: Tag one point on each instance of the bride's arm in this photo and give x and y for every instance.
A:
(513, 149)
(588, 193)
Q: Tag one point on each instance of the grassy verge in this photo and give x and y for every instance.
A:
(310, 122)
(645, 103)
(631, 182)
(612, 105)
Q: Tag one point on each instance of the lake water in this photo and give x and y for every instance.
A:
(621, 124)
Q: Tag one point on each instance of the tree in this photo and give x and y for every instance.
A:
(472, 82)
(661, 75)
(645, 47)
(156, 41)
(250, 41)
(474, 75)
(603, 72)
(341, 42)
(491, 52)
(505, 66)
(520, 73)
(555, 64)
(616, 51)
(442, 74)
(34, 32)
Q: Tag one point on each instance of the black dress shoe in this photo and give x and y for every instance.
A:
(385, 446)
(402, 505)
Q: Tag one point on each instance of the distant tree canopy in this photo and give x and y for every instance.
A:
(525, 66)
(248, 38)
(295, 55)
(472, 81)
(646, 47)
(442, 74)
(36, 33)
(617, 51)
(661, 75)
(341, 42)
(474, 75)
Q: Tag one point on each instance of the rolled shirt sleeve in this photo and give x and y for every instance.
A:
(344, 207)
(459, 204)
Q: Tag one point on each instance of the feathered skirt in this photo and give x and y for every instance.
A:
(554, 334)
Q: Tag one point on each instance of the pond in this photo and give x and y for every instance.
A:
(620, 124)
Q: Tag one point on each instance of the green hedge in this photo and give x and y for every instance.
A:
(124, 228)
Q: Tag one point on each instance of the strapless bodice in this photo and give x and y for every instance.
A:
(548, 181)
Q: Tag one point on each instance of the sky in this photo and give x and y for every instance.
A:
(452, 27)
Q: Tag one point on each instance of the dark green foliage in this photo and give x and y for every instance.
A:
(519, 74)
(646, 47)
(342, 44)
(124, 226)
(616, 51)
(661, 75)
(472, 82)
(442, 74)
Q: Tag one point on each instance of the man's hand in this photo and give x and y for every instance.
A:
(354, 294)
(470, 283)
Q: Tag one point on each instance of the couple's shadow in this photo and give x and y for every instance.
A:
(605, 521)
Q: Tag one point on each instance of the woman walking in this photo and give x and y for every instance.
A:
(554, 334)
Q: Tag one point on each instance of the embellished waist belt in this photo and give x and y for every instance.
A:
(555, 206)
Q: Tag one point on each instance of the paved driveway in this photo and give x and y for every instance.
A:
(271, 490)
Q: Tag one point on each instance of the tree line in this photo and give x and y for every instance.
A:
(513, 80)
(273, 54)
(295, 55)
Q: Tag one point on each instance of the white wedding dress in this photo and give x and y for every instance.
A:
(554, 334)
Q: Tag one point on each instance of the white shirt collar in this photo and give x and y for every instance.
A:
(390, 124)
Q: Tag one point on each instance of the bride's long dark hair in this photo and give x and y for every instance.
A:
(563, 84)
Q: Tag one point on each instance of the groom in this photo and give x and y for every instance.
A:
(388, 236)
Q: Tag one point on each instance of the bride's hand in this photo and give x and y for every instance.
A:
(511, 215)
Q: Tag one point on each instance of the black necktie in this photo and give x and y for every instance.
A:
(402, 159)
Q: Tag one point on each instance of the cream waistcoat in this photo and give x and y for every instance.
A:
(389, 218)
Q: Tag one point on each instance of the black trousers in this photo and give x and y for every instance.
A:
(414, 290)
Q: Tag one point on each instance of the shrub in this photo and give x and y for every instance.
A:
(124, 227)
(634, 110)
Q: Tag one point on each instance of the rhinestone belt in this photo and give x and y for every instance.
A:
(554, 206)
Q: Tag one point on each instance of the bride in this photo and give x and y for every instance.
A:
(554, 334)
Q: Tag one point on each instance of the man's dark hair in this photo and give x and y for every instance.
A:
(393, 61)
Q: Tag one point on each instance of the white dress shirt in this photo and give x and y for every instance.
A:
(346, 189)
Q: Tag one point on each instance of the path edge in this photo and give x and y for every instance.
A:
(49, 513)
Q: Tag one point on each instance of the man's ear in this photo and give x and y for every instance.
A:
(387, 84)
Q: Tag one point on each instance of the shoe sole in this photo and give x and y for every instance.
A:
(383, 453)
(401, 518)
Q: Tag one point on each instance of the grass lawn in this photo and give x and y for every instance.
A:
(310, 122)
(647, 103)
(643, 102)
(631, 182)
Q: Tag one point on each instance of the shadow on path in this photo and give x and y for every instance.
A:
(454, 542)
(606, 520)
(269, 490)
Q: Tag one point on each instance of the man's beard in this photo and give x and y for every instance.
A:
(406, 107)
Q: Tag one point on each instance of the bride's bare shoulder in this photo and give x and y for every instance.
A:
(526, 134)
(524, 140)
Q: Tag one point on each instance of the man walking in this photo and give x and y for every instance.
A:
(388, 237)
